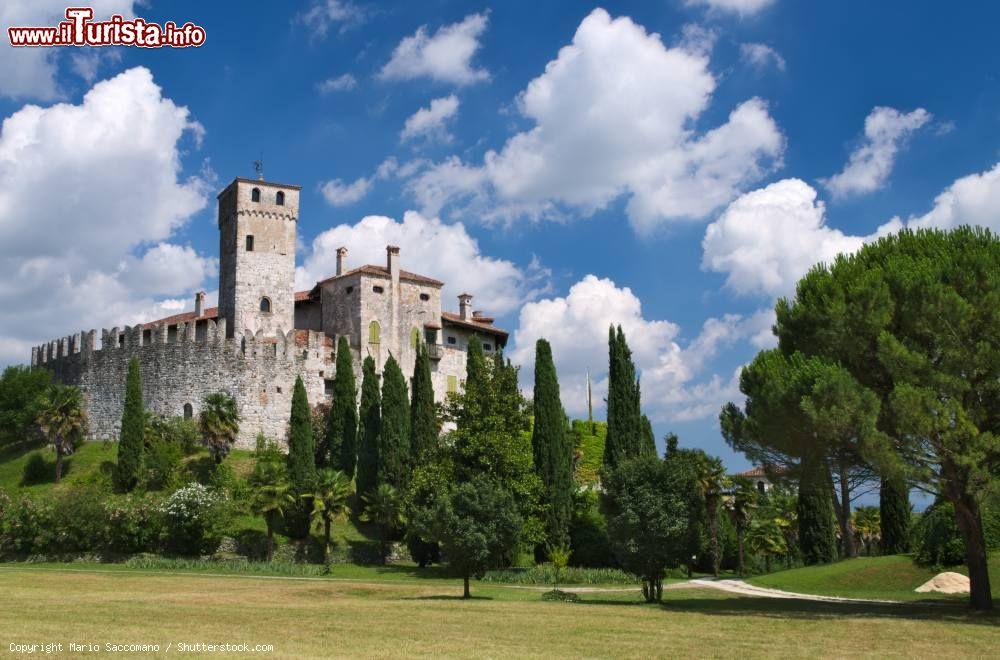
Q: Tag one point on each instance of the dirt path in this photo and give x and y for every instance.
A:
(745, 589)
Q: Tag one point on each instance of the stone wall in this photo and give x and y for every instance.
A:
(179, 369)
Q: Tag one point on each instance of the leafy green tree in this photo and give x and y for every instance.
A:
(741, 513)
(383, 508)
(894, 514)
(424, 426)
(22, 394)
(625, 432)
(219, 424)
(271, 496)
(394, 439)
(432, 479)
(478, 526)
(329, 502)
(128, 468)
(341, 439)
(650, 511)
(62, 421)
(370, 415)
(913, 317)
(767, 537)
(712, 484)
(552, 448)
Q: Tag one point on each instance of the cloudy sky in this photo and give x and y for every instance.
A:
(670, 165)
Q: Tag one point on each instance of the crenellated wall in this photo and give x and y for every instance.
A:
(180, 364)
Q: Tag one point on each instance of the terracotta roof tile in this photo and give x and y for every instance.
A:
(452, 318)
(184, 317)
(382, 271)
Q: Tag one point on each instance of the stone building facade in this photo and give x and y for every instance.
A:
(264, 334)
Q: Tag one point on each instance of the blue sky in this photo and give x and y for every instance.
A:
(670, 165)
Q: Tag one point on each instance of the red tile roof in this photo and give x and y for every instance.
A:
(761, 471)
(382, 271)
(184, 317)
(480, 325)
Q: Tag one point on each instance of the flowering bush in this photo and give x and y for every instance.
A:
(133, 524)
(194, 518)
(26, 526)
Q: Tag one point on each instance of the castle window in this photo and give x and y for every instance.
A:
(265, 305)
(424, 297)
(278, 389)
(451, 340)
(279, 199)
(249, 243)
(188, 411)
(349, 290)
(487, 347)
(255, 195)
(414, 337)
(328, 387)
(374, 332)
(378, 289)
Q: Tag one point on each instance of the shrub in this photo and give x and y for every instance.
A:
(544, 574)
(938, 541)
(162, 464)
(26, 526)
(77, 520)
(588, 533)
(37, 470)
(194, 518)
(133, 524)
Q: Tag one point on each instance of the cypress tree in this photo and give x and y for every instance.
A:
(301, 449)
(132, 439)
(624, 438)
(341, 438)
(552, 448)
(370, 415)
(648, 439)
(423, 421)
(394, 439)
(817, 538)
(894, 511)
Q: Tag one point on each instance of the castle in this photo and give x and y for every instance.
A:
(264, 334)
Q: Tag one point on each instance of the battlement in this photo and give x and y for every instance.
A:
(282, 346)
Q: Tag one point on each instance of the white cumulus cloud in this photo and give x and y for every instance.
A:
(871, 163)
(760, 56)
(90, 198)
(446, 56)
(970, 200)
(741, 7)
(429, 247)
(431, 121)
(599, 135)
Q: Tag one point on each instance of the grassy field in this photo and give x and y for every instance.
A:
(317, 617)
(885, 578)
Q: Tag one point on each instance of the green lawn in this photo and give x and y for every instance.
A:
(83, 464)
(386, 618)
(885, 578)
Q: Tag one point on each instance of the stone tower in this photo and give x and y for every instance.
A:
(257, 225)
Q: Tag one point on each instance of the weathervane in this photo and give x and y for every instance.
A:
(258, 167)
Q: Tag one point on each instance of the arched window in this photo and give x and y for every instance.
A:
(414, 337)
(188, 411)
(279, 199)
(265, 305)
(374, 333)
(255, 195)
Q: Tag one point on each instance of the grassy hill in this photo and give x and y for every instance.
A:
(589, 443)
(885, 578)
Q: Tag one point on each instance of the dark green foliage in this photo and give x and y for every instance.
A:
(341, 440)
(219, 424)
(195, 517)
(815, 512)
(478, 526)
(588, 447)
(588, 533)
(384, 508)
(894, 516)
(938, 541)
(650, 512)
(22, 392)
(648, 447)
(625, 432)
(370, 415)
(128, 469)
(432, 479)
(162, 464)
(394, 439)
(301, 461)
(423, 418)
(552, 448)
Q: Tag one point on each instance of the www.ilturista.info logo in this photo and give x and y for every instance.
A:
(80, 30)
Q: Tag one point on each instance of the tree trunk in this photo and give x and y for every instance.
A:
(739, 548)
(465, 593)
(59, 461)
(970, 524)
(767, 563)
(326, 540)
(659, 590)
(713, 526)
(850, 550)
(270, 537)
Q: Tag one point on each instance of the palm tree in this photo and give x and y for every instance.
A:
(219, 423)
(741, 506)
(383, 508)
(333, 489)
(271, 496)
(712, 484)
(62, 421)
(766, 536)
(868, 526)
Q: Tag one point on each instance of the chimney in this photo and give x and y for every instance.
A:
(341, 260)
(199, 304)
(392, 260)
(464, 306)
